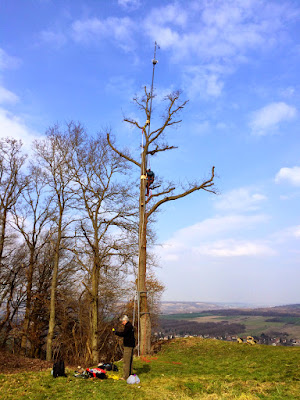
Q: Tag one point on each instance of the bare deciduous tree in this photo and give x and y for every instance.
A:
(12, 182)
(54, 153)
(105, 210)
(30, 217)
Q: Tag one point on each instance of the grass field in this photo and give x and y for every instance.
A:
(190, 368)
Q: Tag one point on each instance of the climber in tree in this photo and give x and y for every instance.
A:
(150, 179)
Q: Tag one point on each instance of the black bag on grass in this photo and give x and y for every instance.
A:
(58, 369)
(108, 367)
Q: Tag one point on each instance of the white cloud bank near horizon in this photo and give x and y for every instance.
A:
(237, 248)
(228, 266)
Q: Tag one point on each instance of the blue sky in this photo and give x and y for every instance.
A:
(237, 61)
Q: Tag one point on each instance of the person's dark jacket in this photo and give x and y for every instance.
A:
(127, 335)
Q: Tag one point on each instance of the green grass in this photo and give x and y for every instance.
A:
(290, 320)
(190, 368)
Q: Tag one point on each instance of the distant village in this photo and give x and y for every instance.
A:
(280, 340)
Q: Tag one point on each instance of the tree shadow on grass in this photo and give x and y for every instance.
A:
(143, 370)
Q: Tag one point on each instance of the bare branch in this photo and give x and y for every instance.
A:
(144, 103)
(133, 122)
(122, 154)
(160, 194)
(168, 122)
(204, 186)
(157, 149)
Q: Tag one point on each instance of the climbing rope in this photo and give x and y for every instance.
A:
(149, 193)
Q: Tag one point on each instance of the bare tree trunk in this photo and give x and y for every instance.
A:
(53, 292)
(145, 322)
(2, 235)
(28, 303)
(94, 312)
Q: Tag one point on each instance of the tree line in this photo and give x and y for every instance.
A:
(75, 224)
(68, 243)
(184, 327)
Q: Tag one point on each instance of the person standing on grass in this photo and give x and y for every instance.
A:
(129, 343)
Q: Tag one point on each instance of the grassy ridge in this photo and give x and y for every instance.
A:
(185, 368)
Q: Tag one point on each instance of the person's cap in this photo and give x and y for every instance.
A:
(124, 318)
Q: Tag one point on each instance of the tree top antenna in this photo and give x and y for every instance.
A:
(154, 62)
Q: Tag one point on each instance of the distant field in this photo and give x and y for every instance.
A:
(255, 325)
(185, 316)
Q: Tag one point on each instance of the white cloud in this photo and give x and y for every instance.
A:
(202, 81)
(268, 118)
(289, 175)
(201, 36)
(13, 126)
(287, 235)
(214, 228)
(120, 86)
(292, 231)
(95, 29)
(214, 33)
(57, 39)
(172, 14)
(222, 125)
(242, 199)
(133, 4)
(7, 61)
(215, 30)
(229, 266)
(219, 237)
(223, 237)
(6, 96)
(234, 248)
(297, 232)
(288, 91)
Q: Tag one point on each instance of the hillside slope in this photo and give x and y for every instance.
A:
(190, 368)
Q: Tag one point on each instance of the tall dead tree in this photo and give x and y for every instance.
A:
(152, 145)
